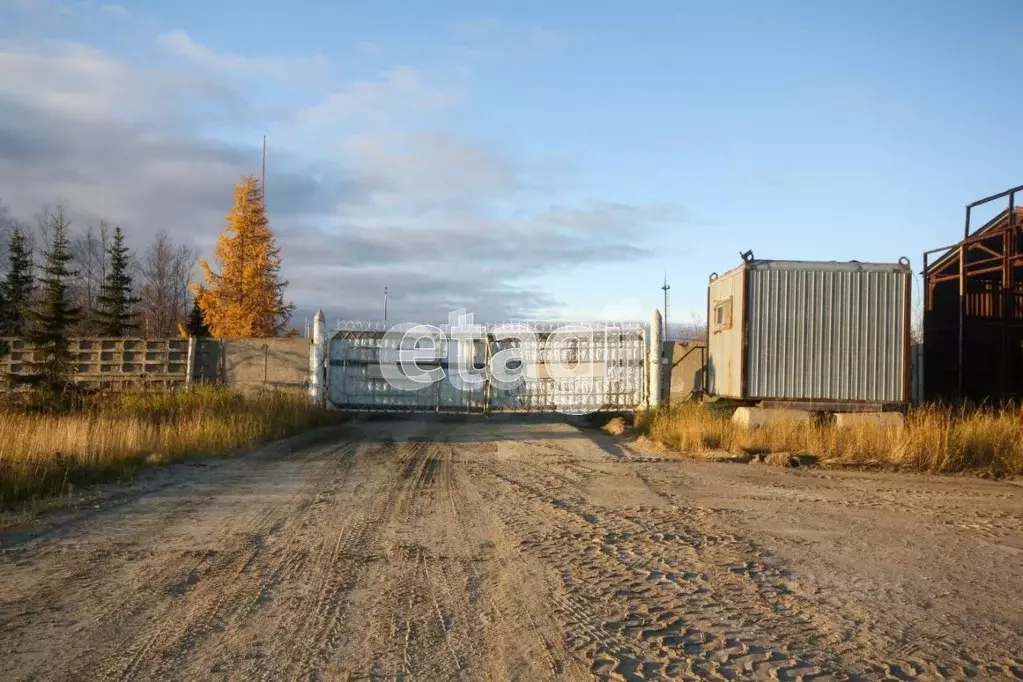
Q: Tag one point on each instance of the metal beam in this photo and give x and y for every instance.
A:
(962, 310)
(941, 249)
(1008, 297)
(1011, 193)
(1006, 193)
(984, 271)
(980, 246)
(975, 267)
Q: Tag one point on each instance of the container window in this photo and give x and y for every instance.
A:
(723, 314)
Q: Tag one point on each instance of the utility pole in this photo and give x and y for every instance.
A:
(666, 288)
(385, 305)
(262, 181)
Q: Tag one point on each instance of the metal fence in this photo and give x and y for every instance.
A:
(605, 369)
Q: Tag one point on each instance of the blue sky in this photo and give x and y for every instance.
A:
(527, 159)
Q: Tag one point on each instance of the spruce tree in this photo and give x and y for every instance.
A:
(55, 314)
(246, 298)
(196, 325)
(116, 313)
(5, 347)
(17, 287)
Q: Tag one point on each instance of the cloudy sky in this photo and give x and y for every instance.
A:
(527, 159)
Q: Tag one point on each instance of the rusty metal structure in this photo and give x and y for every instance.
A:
(973, 310)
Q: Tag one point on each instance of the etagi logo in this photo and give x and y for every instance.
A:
(556, 368)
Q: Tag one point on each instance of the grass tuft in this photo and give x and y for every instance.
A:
(933, 439)
(111, 436)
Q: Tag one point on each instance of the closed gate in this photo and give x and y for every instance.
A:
(572, 368)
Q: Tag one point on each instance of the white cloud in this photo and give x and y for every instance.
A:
(622, 309)
(397, 92)
(616, 310)
(435, 216)
(80, 81)
(118, 140)
(422, 169)
(181, 44)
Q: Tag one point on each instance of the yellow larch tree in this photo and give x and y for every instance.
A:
(246, 298)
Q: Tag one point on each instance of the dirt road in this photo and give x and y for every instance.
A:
(429, 550)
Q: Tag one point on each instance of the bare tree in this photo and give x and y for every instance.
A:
(90, 253)
(7, 225)
(693, 330)
(165, 273)
(42, 235)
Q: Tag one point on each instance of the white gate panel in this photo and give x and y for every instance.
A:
(607, 365)
(592, 368)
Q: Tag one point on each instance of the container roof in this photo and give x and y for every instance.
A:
(831, 265)
(815, 266)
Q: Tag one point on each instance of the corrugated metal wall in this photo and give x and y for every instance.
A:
(827, 332)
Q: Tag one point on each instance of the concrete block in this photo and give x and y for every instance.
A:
(756, 417)
(883, 419)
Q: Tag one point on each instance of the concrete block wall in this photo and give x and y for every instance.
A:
(113, 363)
(244, 364)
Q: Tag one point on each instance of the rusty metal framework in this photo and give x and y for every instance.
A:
(973, 310)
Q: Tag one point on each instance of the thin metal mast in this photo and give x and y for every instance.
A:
(666, 288)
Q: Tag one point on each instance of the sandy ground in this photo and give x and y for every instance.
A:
(503, 550)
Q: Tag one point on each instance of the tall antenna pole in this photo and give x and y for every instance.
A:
(262, 180)
(385, 305)
(666, 288)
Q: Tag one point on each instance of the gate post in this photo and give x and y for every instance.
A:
(190, 361)
(317, 357)
(487, 350)
(654, 362)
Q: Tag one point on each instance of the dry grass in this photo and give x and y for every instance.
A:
(616, 426)
(933, 439)
(112, 436)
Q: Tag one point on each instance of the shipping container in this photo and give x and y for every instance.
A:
(830, 334)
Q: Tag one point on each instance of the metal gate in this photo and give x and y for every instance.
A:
(572, 368)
